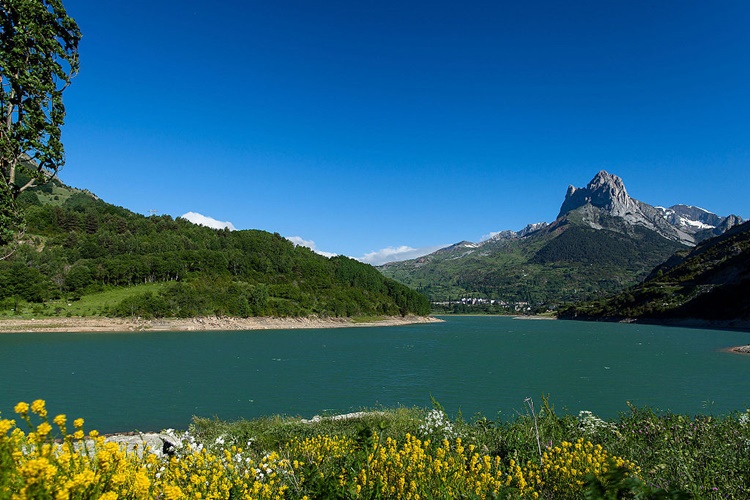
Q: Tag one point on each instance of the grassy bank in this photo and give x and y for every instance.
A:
(393, 453)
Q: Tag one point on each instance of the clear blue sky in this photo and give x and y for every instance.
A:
(368, 125)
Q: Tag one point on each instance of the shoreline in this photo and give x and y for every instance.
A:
(742, 349)
(727, 324)
(536, 317)
(210, 323)
(739, 325)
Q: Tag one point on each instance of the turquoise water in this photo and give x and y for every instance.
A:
(156, 380)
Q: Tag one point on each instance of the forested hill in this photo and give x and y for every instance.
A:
(710, 283)
(76, 245)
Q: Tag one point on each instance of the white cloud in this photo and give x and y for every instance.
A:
(299, 241)
(202, 220)
(395, 254)
(376, 258)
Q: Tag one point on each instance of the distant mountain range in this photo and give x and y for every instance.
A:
(601, 242)
(710, 283)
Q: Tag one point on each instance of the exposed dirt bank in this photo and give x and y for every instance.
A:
(536, 317)
(101, 324)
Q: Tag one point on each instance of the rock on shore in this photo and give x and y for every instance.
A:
(103, 324)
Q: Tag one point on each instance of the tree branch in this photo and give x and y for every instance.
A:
(16, 244)
(26, 186)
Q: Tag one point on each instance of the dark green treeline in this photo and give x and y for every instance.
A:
(82, 245)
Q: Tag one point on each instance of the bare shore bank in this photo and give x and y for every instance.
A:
(743, 349)
(102, 324)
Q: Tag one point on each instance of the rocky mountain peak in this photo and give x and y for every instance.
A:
(606, 196)
(606, 191)
(728, 223)
(687, 216)
(531, 228)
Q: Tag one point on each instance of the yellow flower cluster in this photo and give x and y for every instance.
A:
(32, 465)
(565, 466)
(415, 470)
(320, 449)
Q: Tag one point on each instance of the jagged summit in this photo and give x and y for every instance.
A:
(606, 196)
(606, 191)
(509, 234)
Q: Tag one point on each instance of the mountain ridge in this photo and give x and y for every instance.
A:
(623, 238)
(709, 284)
(607, 191)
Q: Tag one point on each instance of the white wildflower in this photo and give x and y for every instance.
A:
(591, 424)
(437, 423)
(745, 418)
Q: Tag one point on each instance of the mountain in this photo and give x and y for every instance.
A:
(78, 246)
(606, 196)
(710, 283)
(601, 242)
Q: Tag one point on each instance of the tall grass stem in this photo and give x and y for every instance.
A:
(530, 403)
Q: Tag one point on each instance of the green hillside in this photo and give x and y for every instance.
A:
(79, 249)
(565, 262)
(710, 283)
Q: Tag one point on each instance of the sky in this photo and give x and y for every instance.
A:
(385, 130)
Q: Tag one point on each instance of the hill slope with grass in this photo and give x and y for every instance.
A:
(79, 249)
(710, 283)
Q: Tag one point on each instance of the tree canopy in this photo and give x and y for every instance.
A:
(38, 59)
(78, 247)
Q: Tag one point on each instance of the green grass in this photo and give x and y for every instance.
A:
(58, 195)
(269, 433)
(94, 304)
(680, 455)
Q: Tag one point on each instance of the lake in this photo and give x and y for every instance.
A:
(154, 380)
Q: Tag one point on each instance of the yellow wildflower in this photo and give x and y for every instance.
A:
(6, 425)
(43, 429)
(172, 492)
(38, 408)
(21, 408)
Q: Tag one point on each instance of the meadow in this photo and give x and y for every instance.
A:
(388, 453)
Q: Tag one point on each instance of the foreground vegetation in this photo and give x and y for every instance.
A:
(400, 453)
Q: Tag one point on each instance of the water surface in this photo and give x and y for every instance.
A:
(155, 380)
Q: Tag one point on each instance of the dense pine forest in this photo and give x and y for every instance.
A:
(76, 245)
